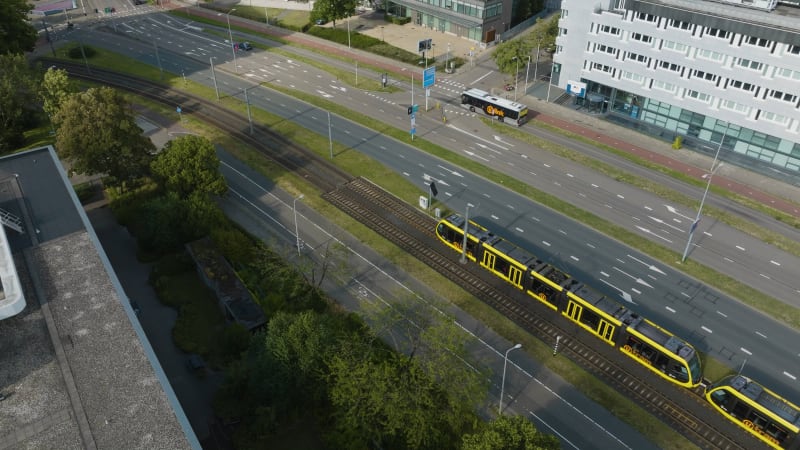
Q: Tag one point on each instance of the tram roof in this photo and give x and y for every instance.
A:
(766, 398)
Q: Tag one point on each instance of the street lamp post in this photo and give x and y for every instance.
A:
(527, 72)
(249, 115)
(447, 60)
(214, 75)
(516, 77)
(230, 35)
(550, 81)
(466, 229)
(536, 68)
(382, 34)
(296, 231)
(348, 32)
(714, 167)
(503, 383)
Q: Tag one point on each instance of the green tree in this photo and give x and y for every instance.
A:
(17, 35)
(509, 433)
(513, 54)
(187, 165)
(55, 89)
(98, 134)
(333, 10)
(18, 97)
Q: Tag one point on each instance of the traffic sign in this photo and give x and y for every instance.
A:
(429, 77)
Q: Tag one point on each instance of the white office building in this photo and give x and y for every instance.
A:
(697, 69)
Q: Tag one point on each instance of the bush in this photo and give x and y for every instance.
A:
(397, 20)
(75, 52)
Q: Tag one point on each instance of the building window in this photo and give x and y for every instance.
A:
(775, 118)
(705, 75)
(646, 17)
(759, 42)
(786, 97)
(562, 31)
(716, 32)
(664, 86)
(700, 96)
(564, 13)
(601, 67)
(743, 86)
(642, 37)
(606, 49)
(679, 24)
(632, 76)
(708, 54)
(609, 30)
(675, 46)
(788, 73)
(638, 58)
(733, 106)
(794, 49)
(669, 66)
(749, 64)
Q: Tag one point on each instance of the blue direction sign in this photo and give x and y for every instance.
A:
(429, 77)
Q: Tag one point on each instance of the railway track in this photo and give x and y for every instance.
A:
(290, 156)
(413, 231)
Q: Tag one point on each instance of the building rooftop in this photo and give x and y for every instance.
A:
(783, 17)
(78, 371)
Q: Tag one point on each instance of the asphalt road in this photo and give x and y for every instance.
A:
(530, 389)
(714, 323)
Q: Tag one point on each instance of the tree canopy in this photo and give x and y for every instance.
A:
(18, 97)
(333, 9)
(17, 35)
(97, 133)
(510, 433)
(55, 89)
(189, 165)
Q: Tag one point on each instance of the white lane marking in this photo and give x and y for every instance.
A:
(575, 258)
(761, 334)
(625, 296)
(562, 232)
(740, 247)
(722, 314)
(519, 229)
(604, 274)
(546, 165)
(494, 217)
(590, 245)
(570, 175)
(765, 276)
(708, 234)
(746, 351)
(638, 292)
(479, 79)
(789, 375)
(564, 439)
(775, 262)
(686, 295)
(546, 243)
(706, 329)
(648, 208)
(669, 309)
(620, 196)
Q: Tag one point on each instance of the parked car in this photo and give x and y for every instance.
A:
(321, 21)
(245, 46)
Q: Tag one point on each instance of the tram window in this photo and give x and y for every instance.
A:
(590, 319)
(720, 397)
(470, 247)
(740, 410)
(679, 371)
(778, 433)
(501, 266)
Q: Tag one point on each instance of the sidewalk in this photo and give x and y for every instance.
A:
(746, 183)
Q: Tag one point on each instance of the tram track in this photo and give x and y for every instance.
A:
(413, 231)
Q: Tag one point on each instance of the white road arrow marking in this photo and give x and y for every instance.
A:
(452, 172)
(638, 280)
(625, 296)
(651, 266)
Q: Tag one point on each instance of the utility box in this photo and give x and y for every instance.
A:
(423, 202)
(437, 213)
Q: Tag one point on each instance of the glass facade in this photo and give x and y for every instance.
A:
(700, 127)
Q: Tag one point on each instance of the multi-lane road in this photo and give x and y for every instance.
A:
(713, 322)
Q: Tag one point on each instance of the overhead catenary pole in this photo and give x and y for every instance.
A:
(466, 230)
(550, 81)
(516, 77)
(230, 36)
(714, 168)
(249, 116)
(296, 229)
(214, 75)
(330, 135)
(527, 72)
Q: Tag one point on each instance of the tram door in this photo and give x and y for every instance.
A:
(515, 276)
(605, 330)
(574, 311)
(488, 260)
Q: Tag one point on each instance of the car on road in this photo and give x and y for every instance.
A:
(245, 46)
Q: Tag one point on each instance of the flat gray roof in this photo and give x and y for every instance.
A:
(77, 370)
